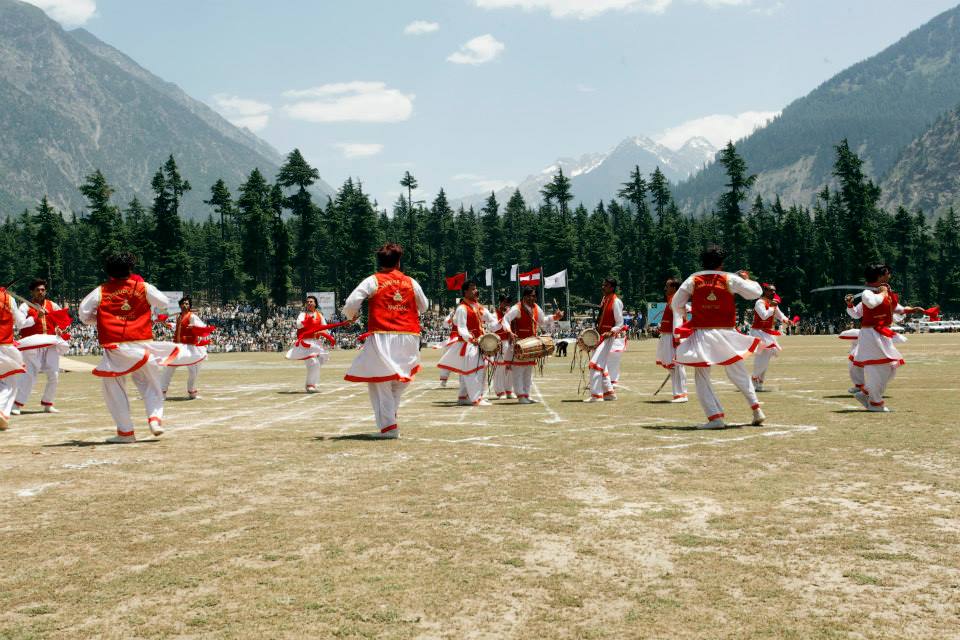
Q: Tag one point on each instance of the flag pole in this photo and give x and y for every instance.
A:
(493, 294)
(569, 315)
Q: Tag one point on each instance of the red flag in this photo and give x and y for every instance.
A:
(162, 317)
(203, 332)
(61, 318)
(796, 319)
(933, 313)
(530, 277)
(777, 299)
(455, 283)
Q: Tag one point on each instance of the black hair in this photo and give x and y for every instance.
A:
(316, 302)
(469, 283)
(526, 291)
(872, 272)
(505, 298)
(712, 257)
(612, 282)
(186, 299)
(119, 265)
(388, 256)
(673, 283)
(37, 282)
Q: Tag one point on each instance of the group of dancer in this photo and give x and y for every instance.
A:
(698, 330)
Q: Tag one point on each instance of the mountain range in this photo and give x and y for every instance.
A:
(70, 104)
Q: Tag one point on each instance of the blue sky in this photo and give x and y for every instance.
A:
(473, 94)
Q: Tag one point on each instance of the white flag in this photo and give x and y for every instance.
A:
(556, 281)
(490, 277)
(513, 272)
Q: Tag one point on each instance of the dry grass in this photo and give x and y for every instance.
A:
(252, 517)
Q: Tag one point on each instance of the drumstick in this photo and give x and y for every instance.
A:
(663, 384)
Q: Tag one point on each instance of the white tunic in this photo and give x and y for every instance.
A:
(544, 323)
(464, 357)
(126, 357)
(188, 354)
(708, 347)
(872, 347)
(41, 340)
(665, 348)
(310, 348)
(384, 356)
(600, 355)
(761, 311)
(11, 361)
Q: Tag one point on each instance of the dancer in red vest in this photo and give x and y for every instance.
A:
(766, 315)
(311, 345)
(470, 319)
(610, 324)
(121, 310)
(503, 372)
(875, 352)
(666, 349)
(41, 346)
(11, 361)
(390, 356)
(448, 326)
(192, 349)
(526, 319)
(711, 338)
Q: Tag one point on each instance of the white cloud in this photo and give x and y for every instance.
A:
(421, 27)
(478, 51)
(243, 112)
(70, 13)
(718, 129)
(482, 183)
(359, 149)
(586, 9)
(350, 102)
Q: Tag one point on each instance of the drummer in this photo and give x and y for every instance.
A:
(503, 371)
(526, 319)
(464, 358)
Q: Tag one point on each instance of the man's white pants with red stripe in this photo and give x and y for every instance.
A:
(600, 384)
(502, 380)
(8, 393)
(385, 398)
(193, 372)
(37, 361)
(876, 378)
(678, 381)
(739, 376)
(761, 362)
(471, 386)
(522, 380)
(613, 366)
(856, 375)
(313, 371)
(147, 379)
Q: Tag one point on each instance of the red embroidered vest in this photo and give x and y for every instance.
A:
(393, 307)
(882, 314)
(501, 332)
(759, 323)
(607, 320)
(713, 304)
(124, 312)
(666, 321)
(474, 319)
(40, 323)
(184, 332)
(526, 324)
(6, 320)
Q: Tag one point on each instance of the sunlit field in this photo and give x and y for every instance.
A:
(261, 514)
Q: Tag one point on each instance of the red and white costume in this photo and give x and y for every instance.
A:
(714, 340)
(666, 349)
(41, 347)
(525, 322)
(616, 355)
(121, 311)
(503, 366)
(190, 354)
(875, 352)
(448, 324)
(311, 346)
(464, 357)
(11, 361)
(390, 356)
(852, 335)
(765, 318)
(611, 320)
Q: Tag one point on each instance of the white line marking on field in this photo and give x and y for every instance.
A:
(35, 490)
(554, 416)
(785, 430)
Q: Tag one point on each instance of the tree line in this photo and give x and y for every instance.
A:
(270, 242)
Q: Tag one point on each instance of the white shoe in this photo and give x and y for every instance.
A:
(483, 403)
(510, 395)
(443, 383)
(757, 385)
(680, 400)
(49, 408)
(863, 399)
(716, 423)
(193, 396)
(593, 399)
(610, 398)
(853, 390)
(758, 417)
(311, 388)
(15, 411)
(156, 427)
(524, 401)
(118, 439)
(881, 409)
(393, 434)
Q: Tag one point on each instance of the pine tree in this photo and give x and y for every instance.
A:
(49, 242)
(103, 216)
(170, 256)
(558, 190)
(738, 185)
(280, 236)
(296, 172)
(255, 218)
(493, 249)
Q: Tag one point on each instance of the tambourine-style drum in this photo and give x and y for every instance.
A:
(489, 344)
(589, 339)
(533, 348)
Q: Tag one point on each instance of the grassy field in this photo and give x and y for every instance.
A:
(258, 515)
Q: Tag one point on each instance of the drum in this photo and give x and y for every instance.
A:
(533, 348)
(588, 339)
(489, 344)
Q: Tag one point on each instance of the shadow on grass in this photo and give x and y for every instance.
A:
(448, 403)
(661, 427)
(180, 399)
(371, 437)
(851, 411)
(97, 443)
(293, 393)
(664, 401)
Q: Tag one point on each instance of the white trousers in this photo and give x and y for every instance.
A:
(193, 372)
(502, 380)
(313, 371)
(471, 386)
(147, 379)
(761, 362)
(856, 375)
(37, 361)
(522, 381)
(678, 381)
(737, 372)
(8, 393)
(385, 399)
(613, 366)
(876, 379)
(600, 384)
